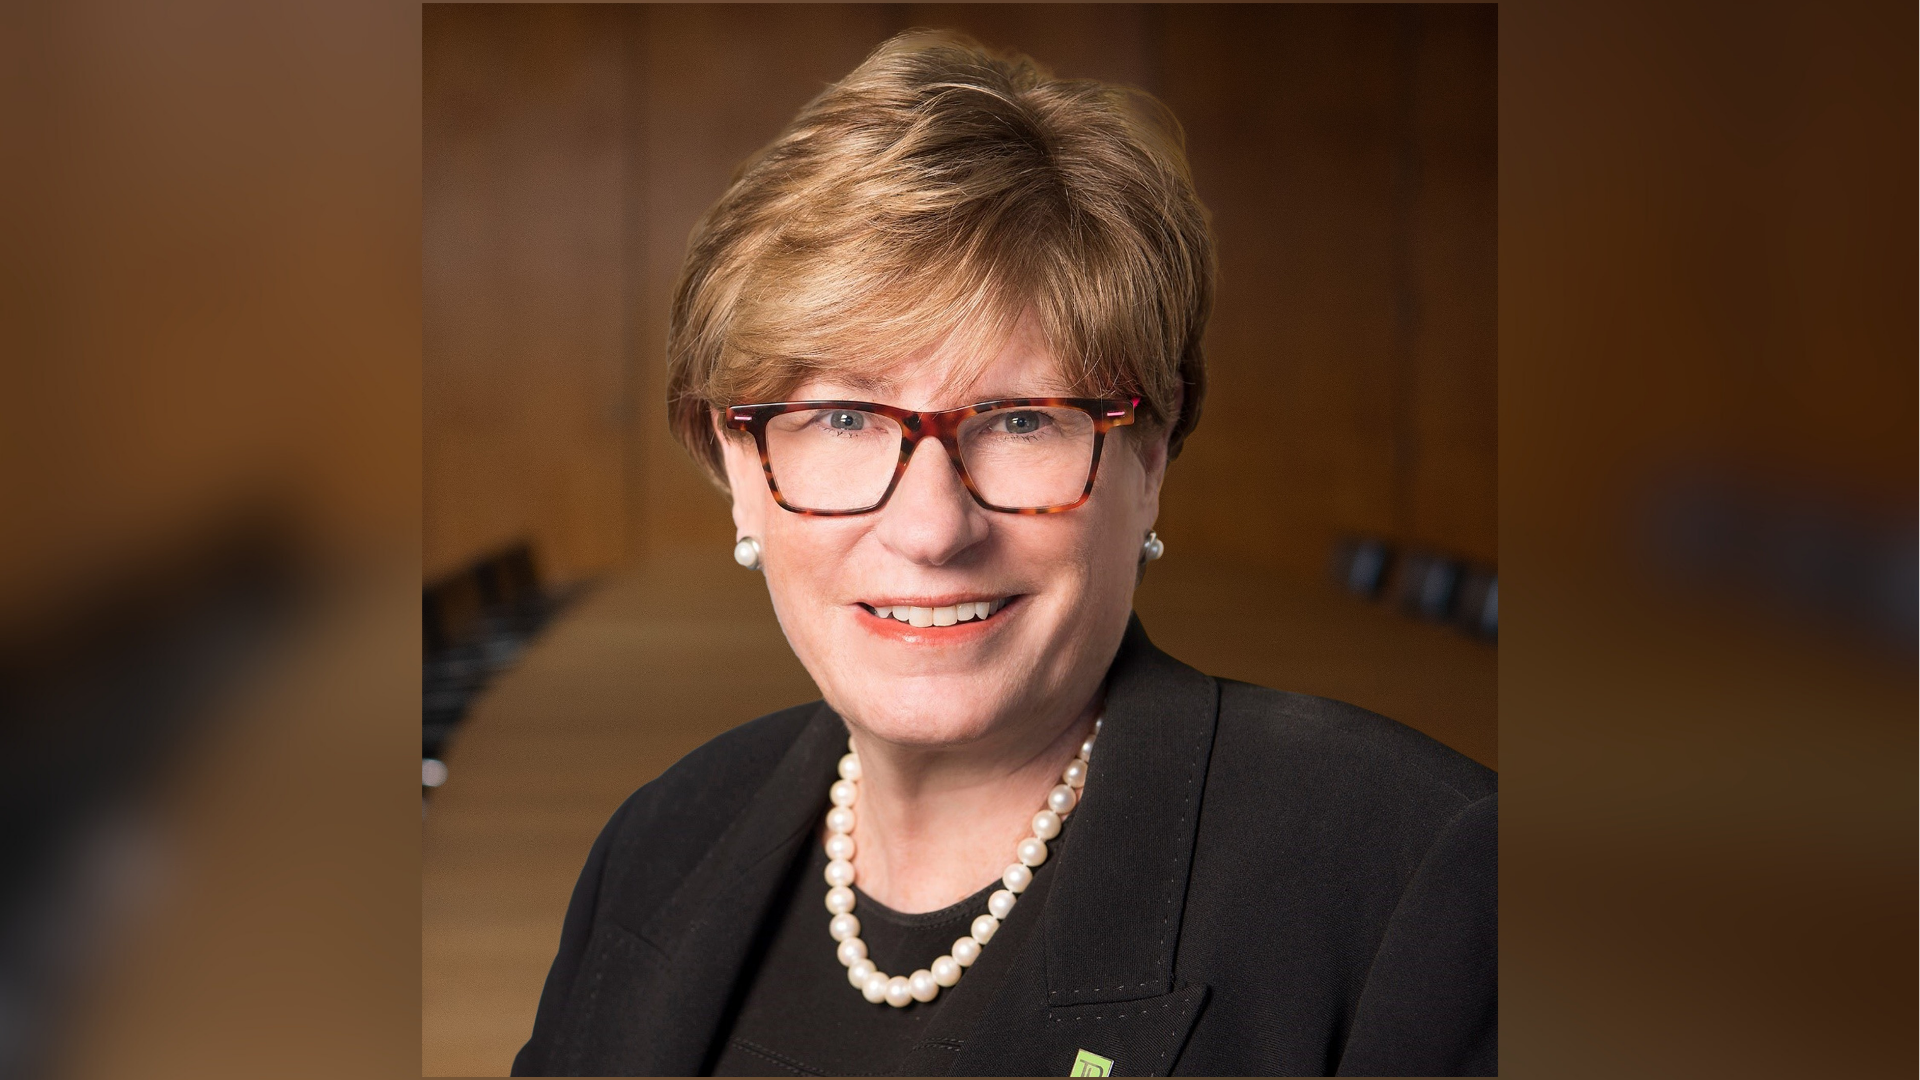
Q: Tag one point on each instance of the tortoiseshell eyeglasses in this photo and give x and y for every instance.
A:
(1034, 455)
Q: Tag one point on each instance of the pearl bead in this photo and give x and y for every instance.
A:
(840, 846)
(843, 927)
(1046, 824)
(1075, 774)
(998, 904)
(983, 928)
(946, 971)
(1017, 878)
(850, 767)
(1097, 721)
(843, 792)
(921, 985)
(747, 553)
(851, 951)
(966, 951)
(839, 899)
(1032, 851)
(1086, 749)
(899, 992)
(840, 819)
(1059, 800)
(876, 988)
(860, 972)
(839, 872)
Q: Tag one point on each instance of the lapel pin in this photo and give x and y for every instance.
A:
(1091, 1064)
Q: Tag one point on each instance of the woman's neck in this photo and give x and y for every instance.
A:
(935, 825)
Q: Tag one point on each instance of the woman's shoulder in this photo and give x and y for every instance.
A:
(1305, 774)
(1341, 811)
(1342, 744)
(705, 789)
(742, 754)
(1345, 875)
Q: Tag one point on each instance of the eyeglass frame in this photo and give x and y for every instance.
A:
(1106, 413)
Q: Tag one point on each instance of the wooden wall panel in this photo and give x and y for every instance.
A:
(1347, 156)
(523, 336)
(1115, 42)
(1288, 111)
(1452, 484)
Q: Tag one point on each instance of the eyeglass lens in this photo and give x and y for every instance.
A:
(1027, 458)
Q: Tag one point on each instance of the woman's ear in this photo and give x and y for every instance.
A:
(746, 480)
(1153, 468)
(1153, 471)
(1152, 451)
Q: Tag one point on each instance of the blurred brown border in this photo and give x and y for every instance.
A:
(1707, 261)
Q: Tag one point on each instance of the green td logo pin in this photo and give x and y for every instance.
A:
(1091, 1064)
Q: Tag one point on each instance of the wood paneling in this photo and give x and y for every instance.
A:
(1350, 177)
(522, 314)
(1114, 42)
(1450, 489)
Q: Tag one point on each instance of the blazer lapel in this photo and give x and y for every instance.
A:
(707, 928)
(1098, 973)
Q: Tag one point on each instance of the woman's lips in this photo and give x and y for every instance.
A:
(964, 611)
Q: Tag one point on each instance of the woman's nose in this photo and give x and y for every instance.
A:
(931, 519)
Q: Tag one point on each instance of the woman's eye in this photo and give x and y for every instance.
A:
(846, 421)
(1021, 423)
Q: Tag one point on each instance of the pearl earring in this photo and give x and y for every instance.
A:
(747, 553)
(1153, 548)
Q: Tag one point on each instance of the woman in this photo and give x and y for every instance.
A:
(939, 341)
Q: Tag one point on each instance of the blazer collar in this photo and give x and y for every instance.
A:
(1098, 972)
(1113, 920)
(707, 928)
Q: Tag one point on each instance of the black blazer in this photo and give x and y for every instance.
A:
(1258, 883)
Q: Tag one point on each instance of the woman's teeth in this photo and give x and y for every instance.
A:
(942, 616)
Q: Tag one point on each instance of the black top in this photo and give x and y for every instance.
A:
(1259, 883)
(800, 1016)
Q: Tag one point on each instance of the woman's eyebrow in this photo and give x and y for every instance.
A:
(1044, 388)
(875, 388)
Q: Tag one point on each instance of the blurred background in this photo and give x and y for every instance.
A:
(221, 233)
(1331, 527)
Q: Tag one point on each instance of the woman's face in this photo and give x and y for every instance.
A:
(1066, 579)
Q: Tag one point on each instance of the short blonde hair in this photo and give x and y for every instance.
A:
(937, 194)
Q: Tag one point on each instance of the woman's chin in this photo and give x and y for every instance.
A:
(915, 713)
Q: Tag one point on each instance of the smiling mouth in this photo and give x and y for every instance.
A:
(949, 615)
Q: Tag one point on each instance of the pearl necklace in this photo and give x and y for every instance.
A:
(925, 984)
